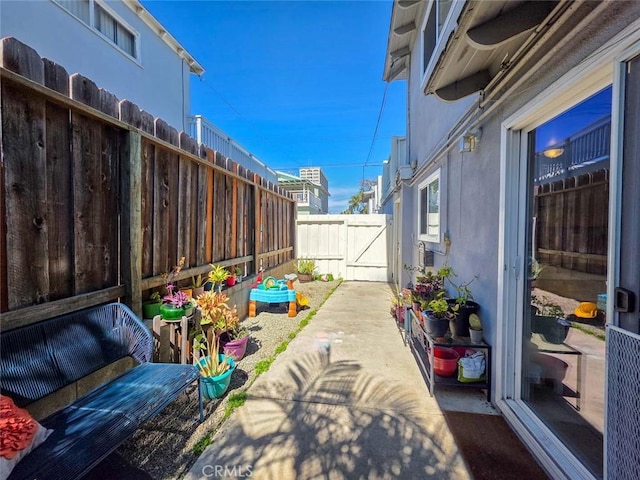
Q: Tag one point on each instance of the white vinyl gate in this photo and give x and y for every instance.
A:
(354, 247)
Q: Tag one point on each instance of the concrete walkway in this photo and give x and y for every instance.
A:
(363, 411)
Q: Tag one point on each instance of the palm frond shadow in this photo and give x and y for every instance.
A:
(326, 420)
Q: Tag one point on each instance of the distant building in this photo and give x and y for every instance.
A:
(310, 189)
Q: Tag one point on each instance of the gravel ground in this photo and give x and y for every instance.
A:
(163, 447)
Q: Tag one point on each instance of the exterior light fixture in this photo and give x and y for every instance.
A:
(553, 152)
(469, 140)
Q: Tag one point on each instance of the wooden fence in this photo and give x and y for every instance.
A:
(99, 198)
(572, 222)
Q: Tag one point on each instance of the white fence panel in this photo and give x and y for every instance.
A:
(354, 247)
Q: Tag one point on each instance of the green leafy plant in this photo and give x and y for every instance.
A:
(218, 275)
(306, 266)
(155, 297)
(535, 269)
(440, 308)
(197, 282)
(474, 322)
(210, 365)
(463, 293)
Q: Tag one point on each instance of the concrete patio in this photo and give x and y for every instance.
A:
(361, 411)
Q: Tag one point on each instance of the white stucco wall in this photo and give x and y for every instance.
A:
(159, 83)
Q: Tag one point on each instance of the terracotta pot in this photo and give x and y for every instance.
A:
(303, 277)
(197, 291)
(188, 291)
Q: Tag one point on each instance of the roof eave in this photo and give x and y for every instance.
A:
(164, 35)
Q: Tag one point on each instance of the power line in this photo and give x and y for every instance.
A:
(375, 132)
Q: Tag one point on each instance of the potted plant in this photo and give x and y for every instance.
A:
(237, 341)
(197, 286)
(306, 269)
(466, 306)
(397, 308)
(215, 368)
(475, 328)
(217, 276)
(437, 316)
(151, 307)
(427, 287)
(175, 302)
(234, 276)
(549, 320)
(215, 312)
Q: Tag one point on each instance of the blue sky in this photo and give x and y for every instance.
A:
(297, 83)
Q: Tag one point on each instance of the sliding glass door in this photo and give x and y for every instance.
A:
(563, 318)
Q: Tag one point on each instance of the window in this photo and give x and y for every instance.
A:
(433, 28)
(429, 203)
(79, 8)
(114, 30)
(105, 22)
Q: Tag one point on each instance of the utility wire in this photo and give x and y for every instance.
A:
(375, 132)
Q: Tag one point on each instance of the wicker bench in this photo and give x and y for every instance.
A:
(55, 354)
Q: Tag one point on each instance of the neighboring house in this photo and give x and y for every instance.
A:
(373, 195)
(117, 44)
(310, 189)
(523, 121)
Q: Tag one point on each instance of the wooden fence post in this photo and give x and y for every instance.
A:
(257, 228)
(131, 208)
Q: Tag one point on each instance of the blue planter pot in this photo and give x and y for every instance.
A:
(215, 387)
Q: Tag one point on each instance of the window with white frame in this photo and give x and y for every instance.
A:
(429, 208)
(97, 16)
(432, 29)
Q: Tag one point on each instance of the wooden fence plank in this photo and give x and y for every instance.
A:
(59, 175)
(21, 59)
(24, 157)
(201, 209)
(147, 206)
(131, 220)
(162, 228)
(208, 253)
(55, 77)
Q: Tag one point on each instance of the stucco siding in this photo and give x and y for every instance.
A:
(157, 83)
(470, 194)
(430, 119)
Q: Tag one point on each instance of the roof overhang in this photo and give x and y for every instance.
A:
(402, 31)
(166, 37)
(487, 37)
